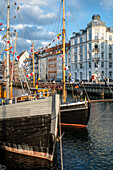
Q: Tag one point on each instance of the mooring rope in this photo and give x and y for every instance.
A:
(93, 122)
(85, 92)
(60, 139)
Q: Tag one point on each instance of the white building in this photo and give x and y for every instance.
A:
(92, 51)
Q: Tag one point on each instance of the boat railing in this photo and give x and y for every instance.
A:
(18, 99)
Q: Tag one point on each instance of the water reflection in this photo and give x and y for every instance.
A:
(85, 148)
(21, 162)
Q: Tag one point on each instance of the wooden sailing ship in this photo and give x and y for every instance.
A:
(30, 126)
(77, 113)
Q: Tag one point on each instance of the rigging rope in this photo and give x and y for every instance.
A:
(59, 11)
(22, 71)
(24, 27)
(60, 138)
(3, 7)
(73, 16)
(93, 122)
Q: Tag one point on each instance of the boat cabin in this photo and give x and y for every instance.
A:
(40, 92)
(2, 90)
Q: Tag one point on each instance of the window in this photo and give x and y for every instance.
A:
(89, 56)
(96, 46)
(89, 74)
(69, 60)
(96, 36)
(102, 74)
(90, 46)
(102, 64)
(102, 45)
(75, 54)
(90, 36)
(80, 39)
(75, 76)
(80, 75)
(110, 65)
(89, 64)
(110, 56)
(75, 41)
(110, 37)
(96, 55)
(102, 36)
(110, 74)
(96, 65)
(102, 55)
(80, 65)
(110, 47)
(81, 52)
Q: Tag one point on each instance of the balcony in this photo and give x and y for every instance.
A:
(95, 49)
(96, 59)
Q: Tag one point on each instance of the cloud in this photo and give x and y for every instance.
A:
(34, 2)
(106, 4)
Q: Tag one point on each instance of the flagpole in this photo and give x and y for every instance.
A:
(8, 55)
(11, 92)
(33, 67)
(64, 96)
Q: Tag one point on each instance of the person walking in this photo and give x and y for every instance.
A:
(108, 81)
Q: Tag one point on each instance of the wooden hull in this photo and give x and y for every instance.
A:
(75, 114)
(33, 130)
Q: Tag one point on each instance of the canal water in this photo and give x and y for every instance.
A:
(89, 148)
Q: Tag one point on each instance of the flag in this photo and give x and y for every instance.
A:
(4, 36)
(38, 79)
(0, 23)
(76, 87)
(32, 47)
(62, 55)
(27, 75)
(59, 51)
(66, 67)
(31, 74)
(69, 74)
(18, 57)
(8, 48)
(59, 35)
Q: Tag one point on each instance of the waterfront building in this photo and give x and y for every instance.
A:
(50, 63)
(92, 51)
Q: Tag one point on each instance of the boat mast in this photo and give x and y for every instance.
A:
(11, 91)
(64, 96)
(8, 54)
(33, 66)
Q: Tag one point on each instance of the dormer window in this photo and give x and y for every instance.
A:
(110, 37)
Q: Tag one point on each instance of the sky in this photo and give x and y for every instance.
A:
(40, 21)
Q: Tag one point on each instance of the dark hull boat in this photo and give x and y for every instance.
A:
(75, 114)
(30, 128)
